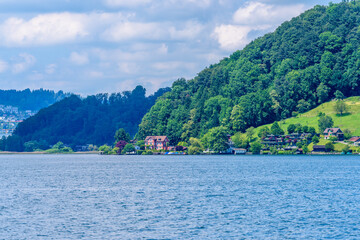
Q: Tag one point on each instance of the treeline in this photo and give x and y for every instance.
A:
(76, 121)
(296, 68)
(30, 99)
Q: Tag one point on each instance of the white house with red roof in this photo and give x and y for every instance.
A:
(355, 141)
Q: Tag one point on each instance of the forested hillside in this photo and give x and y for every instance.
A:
(30, 99)
(76, 121)
(293, 69)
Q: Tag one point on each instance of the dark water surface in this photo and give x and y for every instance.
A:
(179, 197)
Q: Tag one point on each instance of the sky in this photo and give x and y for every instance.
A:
(95, 46)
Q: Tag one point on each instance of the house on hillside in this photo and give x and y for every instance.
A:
(320, 148)
(355, 141)
(273, 140)
(157, 142)
(334, 132)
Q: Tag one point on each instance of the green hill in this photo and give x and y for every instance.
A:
(80, 121)
(292, 70)
(349, 121)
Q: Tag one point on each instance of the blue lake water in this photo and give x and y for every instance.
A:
(179, 197)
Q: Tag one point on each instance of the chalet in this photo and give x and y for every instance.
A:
(334, 132)
(320, 148)
(355, 141)
(273, 140)
(157, 142)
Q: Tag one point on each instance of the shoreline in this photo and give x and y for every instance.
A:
(45, 153)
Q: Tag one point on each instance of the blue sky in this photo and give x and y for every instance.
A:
(91, 46)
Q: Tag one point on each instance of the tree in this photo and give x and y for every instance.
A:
(122, 135)
(105, 149)
(256, 147)
(291, 128)
(183, 144)
(195, 146)
(329, 146)
(263, 132)
(333, 139)
(305, 149)
(312, 130)
(276, 129)
(58, 145)
(322, 92)
(241, 140)
(250, 132)
(216, 139)
(31, 146)
(325, 122)
(305, 129)
(339, 95)
(346, 149)
(315, 139)
(341, 107)
(347, 134)
(128, 149)
(141, 144)
(120, 145)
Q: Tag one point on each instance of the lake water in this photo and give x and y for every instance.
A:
(179, 197)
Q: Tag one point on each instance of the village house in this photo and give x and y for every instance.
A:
(334, 132)
(157, 142)
(320, 148)
(280, 140)
(355, 141)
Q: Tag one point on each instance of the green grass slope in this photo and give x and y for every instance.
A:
(349, 121)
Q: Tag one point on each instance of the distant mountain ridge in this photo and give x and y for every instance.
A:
(80, 121)
(292, 70)
(32, 100)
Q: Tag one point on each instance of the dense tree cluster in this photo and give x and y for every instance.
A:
(30, 100)
(76, 121)
(309, 60)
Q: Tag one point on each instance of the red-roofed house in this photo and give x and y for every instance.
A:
(334, 132)
(355, 140)
(157, 142)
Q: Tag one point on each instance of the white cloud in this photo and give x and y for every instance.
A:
(35, 76)
(50, 69)
(79, 58)
(126, 3)
(134, 30)
(56, 28)
(190, 30)
(3, 66)
(157, 3)
(232, 37)
(254, 16)
(128, 68)
(25, 62)
(255, 13)
(43, 29)
(95, 74)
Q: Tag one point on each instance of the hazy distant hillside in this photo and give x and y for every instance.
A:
(76, 121)
(294, 69)
(30, 100)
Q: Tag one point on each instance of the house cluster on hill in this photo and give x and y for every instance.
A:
(290, 139)
(10, 117)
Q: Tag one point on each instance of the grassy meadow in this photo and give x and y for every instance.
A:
(350, 121)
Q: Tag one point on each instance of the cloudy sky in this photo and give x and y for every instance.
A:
(97, 46)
